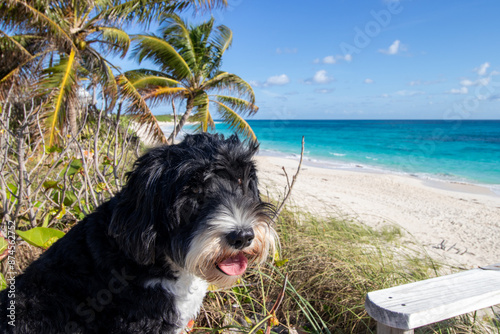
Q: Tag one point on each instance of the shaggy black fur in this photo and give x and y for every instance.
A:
(92, 280)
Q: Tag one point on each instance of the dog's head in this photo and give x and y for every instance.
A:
(196, 204)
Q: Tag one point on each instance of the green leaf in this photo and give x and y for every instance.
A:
(74, 167)
(280, 263)
(106, 161)
(41, 237)
(100, 187)
(46, 219)
(62, 212)
(52, 149)
(77, 212)
(50, 184)
(4, 247)
(13, 190)
(50, 242)
(3, 282)
(70, 198)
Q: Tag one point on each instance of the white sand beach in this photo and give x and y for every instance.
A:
(455, 223)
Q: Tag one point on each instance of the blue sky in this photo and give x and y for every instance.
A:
(378, 59)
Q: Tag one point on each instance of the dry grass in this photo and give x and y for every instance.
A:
(331, 265)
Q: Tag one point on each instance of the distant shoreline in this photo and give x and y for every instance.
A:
(452, 185)
(431, 180)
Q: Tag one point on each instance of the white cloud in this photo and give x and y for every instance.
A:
(479, 82)
(329, 60)
(462, 90)
(483, 68)
(393, 49)
(333, 59)
(321, 77)
(467, 82)
(368, 81)
(255, 83)
(277, 80)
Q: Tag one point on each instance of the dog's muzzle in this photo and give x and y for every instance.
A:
(241, 238)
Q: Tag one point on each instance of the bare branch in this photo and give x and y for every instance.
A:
(290, 185)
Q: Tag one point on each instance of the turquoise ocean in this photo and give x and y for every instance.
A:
(458, 151)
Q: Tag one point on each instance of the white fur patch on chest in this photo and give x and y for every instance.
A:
(188, 291)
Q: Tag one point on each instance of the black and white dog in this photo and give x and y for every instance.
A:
(190, 215)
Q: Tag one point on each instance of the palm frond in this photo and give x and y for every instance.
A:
(235, 121)
(17, 71)
(202, 115)
(145, 79)
(163, 55)
(231, 83)
(117, 40)
(146, 11)
(109, 85)
(11, 45)
(242, 107)
(221, 40)
(164, 94)
(176, 32)
(200, 37)
(61, 81)
(137, 106)
(208, 4)
(27, 14)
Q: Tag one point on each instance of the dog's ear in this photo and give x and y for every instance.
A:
(138, 207)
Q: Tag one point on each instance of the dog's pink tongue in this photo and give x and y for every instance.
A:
(235, 265)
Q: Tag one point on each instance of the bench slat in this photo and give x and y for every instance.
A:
(421, 303)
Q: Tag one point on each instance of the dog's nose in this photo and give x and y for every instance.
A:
(240, 239)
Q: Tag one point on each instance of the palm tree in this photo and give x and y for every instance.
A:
(72, 39)
(189, 60)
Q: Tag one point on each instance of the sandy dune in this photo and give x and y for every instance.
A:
(455, 223)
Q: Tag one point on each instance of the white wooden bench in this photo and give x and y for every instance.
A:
(401, 309)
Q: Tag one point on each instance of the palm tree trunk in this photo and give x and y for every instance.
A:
(178, 128)
(73, 124)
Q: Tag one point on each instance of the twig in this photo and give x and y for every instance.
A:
(290, 185)
(276, 305)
